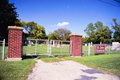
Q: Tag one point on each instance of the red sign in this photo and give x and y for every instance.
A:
(100, 48)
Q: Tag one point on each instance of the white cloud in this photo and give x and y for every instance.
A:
(60, 24)
(63, 24)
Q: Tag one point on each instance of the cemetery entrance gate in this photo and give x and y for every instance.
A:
(46, 47)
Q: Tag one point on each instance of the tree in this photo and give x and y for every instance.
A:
(63, 33)
(98, 26)
(90, 29)
(8, 17)
(98, 33)
(104, 35)
(85, 40)
(53, 36)
(116, 28)
(39, 32)
(31, 26)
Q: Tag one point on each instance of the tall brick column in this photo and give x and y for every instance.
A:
(14, 43)
(76, 44)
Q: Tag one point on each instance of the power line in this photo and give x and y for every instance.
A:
(117, 1)
(109, 3)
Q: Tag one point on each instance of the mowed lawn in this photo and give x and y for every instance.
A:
(16, 70)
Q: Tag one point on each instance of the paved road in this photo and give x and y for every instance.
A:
(66, 70)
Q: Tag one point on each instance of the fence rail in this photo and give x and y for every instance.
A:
(2, 49)
(89, 50)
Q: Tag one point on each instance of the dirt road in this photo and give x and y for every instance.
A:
(66, 70)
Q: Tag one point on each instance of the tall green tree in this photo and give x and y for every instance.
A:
(53, 36)
(85, 39)
(90, 29)
(116, 27)
(8, 17)
(39, 32)
(104, 35)
(98, 26)
(29, 27)
(63, 33)
(98, 33)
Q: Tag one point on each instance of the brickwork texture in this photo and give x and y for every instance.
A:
(14, 43)
(76, 44)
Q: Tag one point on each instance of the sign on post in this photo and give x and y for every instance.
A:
(100, 48)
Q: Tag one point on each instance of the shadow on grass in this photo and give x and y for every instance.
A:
(28, 57)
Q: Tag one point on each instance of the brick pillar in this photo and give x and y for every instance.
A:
(76, 44)
(14, 43)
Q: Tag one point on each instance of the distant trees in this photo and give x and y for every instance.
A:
(98, 33)
(8, 17)
(85, 39)
(60, 34)
(116, 27)
(53, 36)
(39, 32)
(33, 30)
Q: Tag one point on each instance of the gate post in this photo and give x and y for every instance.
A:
(14, 43)
(76, 44)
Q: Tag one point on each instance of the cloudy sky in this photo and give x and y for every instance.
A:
(74, 15)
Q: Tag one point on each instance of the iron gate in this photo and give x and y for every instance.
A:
(46, 47)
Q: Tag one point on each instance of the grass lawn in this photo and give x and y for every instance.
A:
(15, 70)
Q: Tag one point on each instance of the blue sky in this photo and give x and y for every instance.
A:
(74, 15)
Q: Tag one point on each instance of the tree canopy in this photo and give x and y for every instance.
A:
(98, 33)
(8, 17)
(39, 32)
(60, 34)
(33, 30)
(116, 27)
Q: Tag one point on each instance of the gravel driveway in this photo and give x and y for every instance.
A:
(66, 70)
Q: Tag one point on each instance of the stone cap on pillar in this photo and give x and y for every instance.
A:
(75, 35)
(15, 27)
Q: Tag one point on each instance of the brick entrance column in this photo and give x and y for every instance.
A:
(76, 44)
(14, 43)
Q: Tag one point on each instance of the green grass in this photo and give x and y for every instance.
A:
(105, 63)
(15, 70)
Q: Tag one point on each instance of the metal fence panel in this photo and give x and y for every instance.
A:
(35, 47)
(61, 47)
(46, 47)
